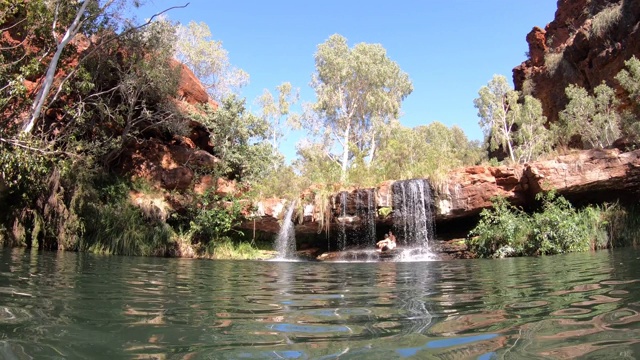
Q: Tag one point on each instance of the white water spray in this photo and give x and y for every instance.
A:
(412, 215)
(286, 240)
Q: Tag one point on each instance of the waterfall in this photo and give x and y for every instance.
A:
(366, 212)
(342, 227)
(286, 240)
(412, 213)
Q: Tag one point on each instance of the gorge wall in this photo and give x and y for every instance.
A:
(587, 43)
(582, 177)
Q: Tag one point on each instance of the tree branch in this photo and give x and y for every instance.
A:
(21, 144)
(70, 34)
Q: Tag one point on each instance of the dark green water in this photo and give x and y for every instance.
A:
(76, 306)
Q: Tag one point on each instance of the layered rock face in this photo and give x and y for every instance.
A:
(587, 43)
(583, 176)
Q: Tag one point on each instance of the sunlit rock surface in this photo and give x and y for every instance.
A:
(582, 176)
(583, 56)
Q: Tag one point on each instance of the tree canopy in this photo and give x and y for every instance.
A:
(512, 122)
(208, 60)
(357, 90)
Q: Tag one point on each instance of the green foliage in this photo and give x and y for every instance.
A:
(208, 60)
(629, 79)
(121, 229)
(402, 153)
(316, 166)
(593, 117)
(22, 170)
(213, 217)
(605, 19)
(280, 181)
(558, 228)
(238, 139)
(357, 89)
(229, 249)
(67, 205)
(532, 137)
(277, 113)
(385, 211)
(502, 227)
(112, 225)
(623, 223)
(58, 193)
(139, 86)
(554, 61)
(496, 100)
(501, 113)
(424, 151)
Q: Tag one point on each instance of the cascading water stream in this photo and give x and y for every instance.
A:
(286, 240)
(412, 213)
(342, 228)
(366, 212)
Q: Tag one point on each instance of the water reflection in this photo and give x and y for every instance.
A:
(67, 305)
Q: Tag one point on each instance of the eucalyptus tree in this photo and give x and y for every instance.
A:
(424, 151)
(57, 24)
(76, 15)
(593, 117)
(629, 79)
(357, 90)
(145, 80)
(533, 138)
(496, 100)
(239, 139)
(514, 122)
(208, 60)
(278, 113)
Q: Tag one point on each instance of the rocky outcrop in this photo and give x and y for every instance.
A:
(166, 162)
(583, 176)
(587, 43)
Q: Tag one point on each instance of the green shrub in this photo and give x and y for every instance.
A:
(502, 227)
(605, 19)
(553, 60)
(115, 226)
(226, 248)
(558, 228)
(214, 217)
(623, 225)
(385, 211)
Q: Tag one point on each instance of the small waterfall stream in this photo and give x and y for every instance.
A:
(412, 214)
(366, 212)
(286, 240)
(342, 227)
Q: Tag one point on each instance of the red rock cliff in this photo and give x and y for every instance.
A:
(587, 43)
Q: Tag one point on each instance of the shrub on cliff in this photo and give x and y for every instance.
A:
(512, 121)
(593, 117)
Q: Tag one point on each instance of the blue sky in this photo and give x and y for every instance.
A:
(449, 48)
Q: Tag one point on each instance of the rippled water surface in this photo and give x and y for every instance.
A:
(77, 306)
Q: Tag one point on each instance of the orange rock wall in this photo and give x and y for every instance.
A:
(586, 59)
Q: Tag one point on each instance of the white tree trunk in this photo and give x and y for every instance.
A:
(372, 150)
(345, 152)
(53, 65)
